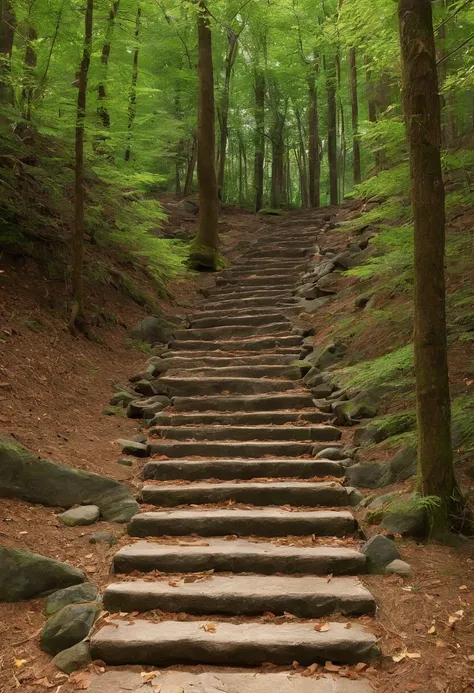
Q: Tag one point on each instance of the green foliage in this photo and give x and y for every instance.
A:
(463, 422)
(394, 368)
(144, 347)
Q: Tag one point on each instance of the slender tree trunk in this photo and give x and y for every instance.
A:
(188, 185)
(355, 116)
(7, 33)
(303, 163)
(332, 133)
(177, 179)
(102, 108)
(223, 111)
(422, 113)
(314, 159)
(259, 160)
(77, 315)
(132, 102)
(207, 240)
(278, 155)
(31, 60)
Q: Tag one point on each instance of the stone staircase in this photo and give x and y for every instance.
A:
(240, 440)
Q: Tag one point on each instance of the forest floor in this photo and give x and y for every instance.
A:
(53, 388)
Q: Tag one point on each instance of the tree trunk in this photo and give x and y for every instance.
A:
(332, 133)
(314, 159)
(132, 102)
(102, 108)
(77, 315)
(259, 160)
(278, 161)
(7, 33)
(223, 111)
(423, 122)
(355, 117)
(303, 167)
(31, 60)
(188, 185)
(207, 240)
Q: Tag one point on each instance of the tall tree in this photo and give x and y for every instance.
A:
(259, 138)
(314, 158)
(204, 255)
(223, 109)
(102, 107)
(77, 315)
(423, 122)
(355, 116)
(132, 101)
(332, 132)
(7, 33)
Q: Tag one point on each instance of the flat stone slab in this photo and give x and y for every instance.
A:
(245, 303)
(232, 468)
(253, 344)
(215, 385)
(240, 418)
(246, 644)
(306, 597)
(265, 371)
(233, 331)
(115, 680)
(245, 433)
(229, 449)
(266, 522)
(266, 493)
(219, 361)
(300, 400)
(264, 318)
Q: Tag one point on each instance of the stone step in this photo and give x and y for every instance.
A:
(263, 522)
(275, 355)
(246, 644)
(251, 344)
(246, 433)
(239, 595)
(234, 468)
(233, 331)
(270, 372)
(264, 318)
(256, 269)
(219, 681)
(229, 449)
(241, 311)
(293, 400)
(294, 493)
(238, 556)
(244, 303)
(274, 251)
(241, 418)
(184, 385)
(271, 279)
(217, 360)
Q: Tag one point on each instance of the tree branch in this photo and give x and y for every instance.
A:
(455, 50)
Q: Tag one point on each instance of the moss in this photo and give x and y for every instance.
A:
(144, 347)
(394, 368)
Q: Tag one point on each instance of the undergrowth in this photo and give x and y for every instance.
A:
(394, 368)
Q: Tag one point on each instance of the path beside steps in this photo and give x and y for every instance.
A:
(234, 470)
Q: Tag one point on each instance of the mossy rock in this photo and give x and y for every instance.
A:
(68, 627)
(77, 594)
(385, 427)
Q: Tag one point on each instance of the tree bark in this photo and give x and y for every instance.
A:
(423, 122)
(31, 60)
(132, 102)
(332, 133)
(314, 159)
(223, 111)
(207, 240)
(278, 161)
(77, 315)
(355, 117)
(259, 159)
(188, 185)
(7, 33)
(102, 108)
(302, 164)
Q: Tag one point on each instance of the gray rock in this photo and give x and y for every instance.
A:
(147, 408)
(130, 447)
(380, 501)
(367, 474)
(146, 388)
(379, 551)
(140, 438)
(125, 462)
(23, 475)
(122, 398)
(68, 627)
(353, 248)
(404, 464)
(103, 538)
(355, 497)
(25, 575)
(344, 260)
(143, 375)
(323, 357)
(335, 454)
(73, 658)
(398, 567)
(384, 428)
(311, 306)
(153, 330)
(77, 594)
(362, 406)
(409, 523)
(80, 517)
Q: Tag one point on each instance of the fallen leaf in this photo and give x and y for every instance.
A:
(329, 578)
(360, 666)
(81, 680)
(310, 670)
(208, 627)
(464, 588)
(148, 676)
(440, 643)
(399, 657)
(295, 665)
(348, 625)
(414, 655)
(157, 689)
(19, 662)
(432, 630)
(329, 666)
(321, 627)
(470, 658)
(43, 682)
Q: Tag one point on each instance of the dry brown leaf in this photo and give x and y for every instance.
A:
(157, 689)
(348, 625)
(43, 682)
(295, 665)
(414, 655)
(464, 588)
(208, 627)
(360, 666)
(311, 670)
(148, 676)
(329, 666)
(19, 662)
(432, 630)
(329, 578)
(81, 680)
(321, 627)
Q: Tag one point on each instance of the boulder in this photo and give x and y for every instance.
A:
(383, 428)
(68, 627)
(123, 399)
(80, 517)
(380, 551)
(398, 567)
(73, 658)
(355, 497)
(366, 474)
(26, 476)
(404, 464)
(125, 462)
(143, 375)
(130, 447)
(362, 406)
(77, 594)
(103, 538)
(146, 388)
(27, 575)
(153, 330)
(344, 260)
(323, 357)
(147, 408)
(409, 523)
(334, 454)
